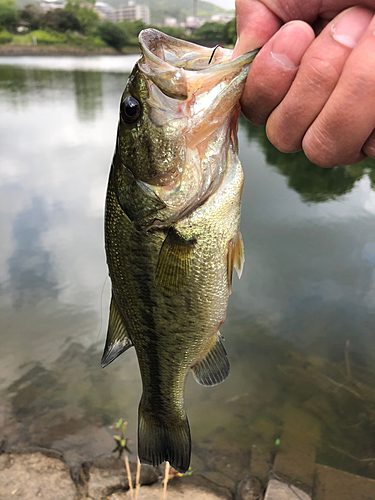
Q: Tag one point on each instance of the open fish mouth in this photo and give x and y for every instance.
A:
(190, 99)
(182, 69)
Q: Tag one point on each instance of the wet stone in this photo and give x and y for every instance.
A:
(175, 490)
(250, 488)
(276, 490)
(34, 476)
(219, 479)
(108, 475)
(296, 454)
(333, 484)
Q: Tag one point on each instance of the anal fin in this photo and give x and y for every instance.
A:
(118, 340)
(236, 257)
(174, 263)
(214, 367)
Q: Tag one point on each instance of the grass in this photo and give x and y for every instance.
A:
(122, 447)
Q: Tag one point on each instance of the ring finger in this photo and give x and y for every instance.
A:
(316, 79)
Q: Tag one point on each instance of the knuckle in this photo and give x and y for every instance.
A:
(361, 80)
(279, 136)
(319, 147)
(320, 73)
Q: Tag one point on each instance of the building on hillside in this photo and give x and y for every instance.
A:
(22, 26)
(47, 5)
(105, 11)
(194, 22)
(171, 22)
(133, 13)
(222, 18)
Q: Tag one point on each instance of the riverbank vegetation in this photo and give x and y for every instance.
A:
(78, 25)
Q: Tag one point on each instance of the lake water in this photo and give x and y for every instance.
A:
(308, 286)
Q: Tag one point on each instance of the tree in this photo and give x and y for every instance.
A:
(61, 20)
(8, 13)
(113, 35)
(132, 29)
(83, 11)
(88, 19)
(31, 13)
(230, 32)
(210, 31)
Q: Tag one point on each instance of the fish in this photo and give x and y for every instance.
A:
(172, 234)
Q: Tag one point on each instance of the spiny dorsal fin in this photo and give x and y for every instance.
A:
(214, 367)
(118, 340)
(174, 264)
(236, 258)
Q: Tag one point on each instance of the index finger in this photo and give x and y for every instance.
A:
(256, 24)
(258, 20)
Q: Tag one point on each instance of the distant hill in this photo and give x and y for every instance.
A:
(160, 9)
(180, 9)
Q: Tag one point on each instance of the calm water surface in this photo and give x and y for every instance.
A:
(308, 287)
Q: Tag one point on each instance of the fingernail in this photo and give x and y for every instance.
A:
(289, 45)
(350, 25)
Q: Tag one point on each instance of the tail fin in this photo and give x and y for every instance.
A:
(161, 440)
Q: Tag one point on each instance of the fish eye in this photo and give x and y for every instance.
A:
(130, 110)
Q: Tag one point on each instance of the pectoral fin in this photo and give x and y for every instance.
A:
(236, 258)
(214, 367)
(118, 340)
(174, 263)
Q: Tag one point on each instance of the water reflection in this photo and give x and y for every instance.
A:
(308, 287)
(71, 397)
(88, 90)
(313, 184)
(32, 276)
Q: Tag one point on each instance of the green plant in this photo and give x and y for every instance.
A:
(210, 31)
(48, 37)
(86, 42)
(122, 446)
(113, 35)
(121, 440)
(5, 37)
(60, 20)
(8, 13)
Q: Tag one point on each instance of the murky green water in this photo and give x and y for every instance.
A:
(308, 288)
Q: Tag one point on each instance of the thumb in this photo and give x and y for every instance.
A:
(256, 24)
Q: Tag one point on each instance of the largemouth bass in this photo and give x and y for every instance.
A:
(172, 229)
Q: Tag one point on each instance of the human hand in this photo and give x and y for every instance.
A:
(312, 93)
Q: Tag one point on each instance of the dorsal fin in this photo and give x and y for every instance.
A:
(174, 263)
(214, 367)
(236, 258)
(118, 340)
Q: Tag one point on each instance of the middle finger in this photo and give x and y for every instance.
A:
(317, 77)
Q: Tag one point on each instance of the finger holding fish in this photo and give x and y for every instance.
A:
(321, 69)
(310, 108)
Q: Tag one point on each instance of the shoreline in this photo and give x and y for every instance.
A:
(10, 50)
(27, 471)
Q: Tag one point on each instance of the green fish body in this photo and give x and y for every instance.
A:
(172, 230)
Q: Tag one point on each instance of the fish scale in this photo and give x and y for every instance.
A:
(172, 236)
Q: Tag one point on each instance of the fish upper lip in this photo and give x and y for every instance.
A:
(173, 64)
(182, 53)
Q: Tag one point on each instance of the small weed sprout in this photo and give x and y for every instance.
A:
(122, 447)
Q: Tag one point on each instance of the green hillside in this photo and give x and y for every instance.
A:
(160, 9)
(180, 9)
